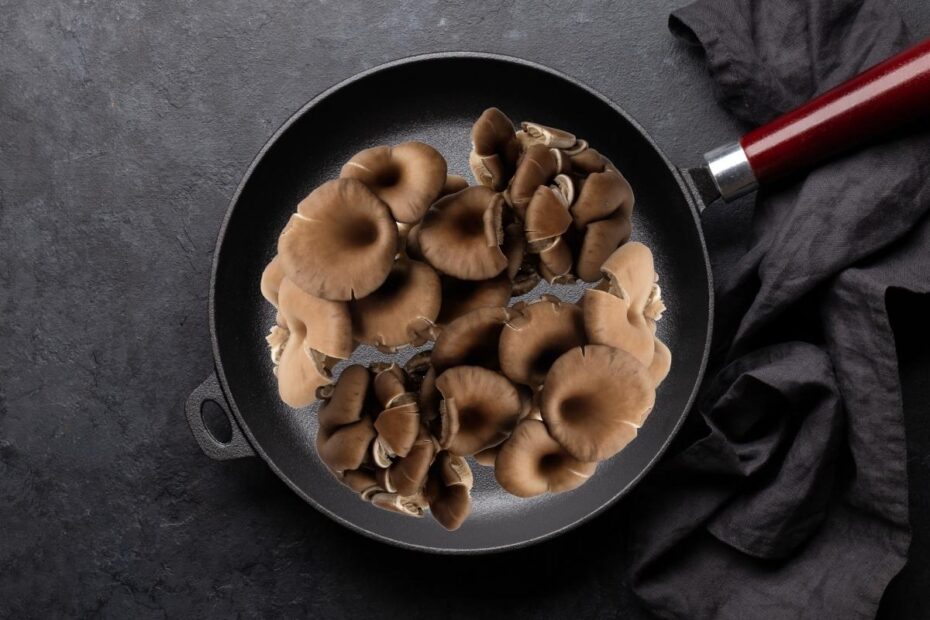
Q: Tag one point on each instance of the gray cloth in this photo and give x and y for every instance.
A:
(787, 494)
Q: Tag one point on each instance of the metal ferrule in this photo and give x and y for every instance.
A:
(731, 171)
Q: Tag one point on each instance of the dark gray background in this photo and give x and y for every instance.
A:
(124, 129)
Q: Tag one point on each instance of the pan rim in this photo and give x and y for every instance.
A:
(692, 201)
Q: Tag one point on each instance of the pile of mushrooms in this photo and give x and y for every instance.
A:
(396, 253)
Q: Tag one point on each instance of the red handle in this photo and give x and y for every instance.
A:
(866, 107)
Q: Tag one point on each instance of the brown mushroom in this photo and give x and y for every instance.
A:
(459, 297)
(514, 248)
(397, 428)
(594, 399)
(346, 430)
(471, 340)
(487, 456)
(587, 161)
(494, 149)
(362, 481)
(448, 490)
(407, 475)
(407, 177)
(601, 195)
(534, 133)
(390, 383)
(601, 238)
(536, 336)
(478, 410)
(579, 147)
(661, 362)
(555, 260)
(624, 316)
(454, 183)
(271, 281)
(401, 309)
(538, 166)
(429, 396)
(531, 463)
(461, 234)
(547, 215)
(394, 502)
(527, 276)
(300, 371)
(415, 370)
(341, 242)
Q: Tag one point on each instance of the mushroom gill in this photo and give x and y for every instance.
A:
(538, 334)
(407, 177)
(341, 242)
(461, 234)
(594, 399)
(478, 410)
(401, 310)
(531, 463)
(459, 297)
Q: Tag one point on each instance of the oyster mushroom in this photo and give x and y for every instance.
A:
(527, 276)
(601, 238)
(488, 456)
(393, 502)
(459, 297)
(537, 336)
(390, 384)
(401, 310)
(587, 161)
(454, 183)
(407, 177)
(461, 234)
(661, 362)
(624, 316)
(538, 166)
(310, 333)
(594, 399)
(407, 475)
(555, 260)
(601, 195)
(479, 408)
(448, 490)
(397, 428)
(362, 481)
(514, 248)
(531, 463)
(534, 133)
(341, 242)
(346, 429)
(495, 149)
(271, 281)
(471, 340)
(547, 215)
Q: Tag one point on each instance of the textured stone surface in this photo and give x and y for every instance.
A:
(124, 128)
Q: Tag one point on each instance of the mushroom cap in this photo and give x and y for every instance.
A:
(412, 243)
(346, 430)
(527, 276)
(534, 133)
(393, 315)
(555, 259)
(534, 339)
(454, 183)
(576, 149)
(661, 362)
(487, 456)
(397, 428)
(429, 396)
(594, 399)
(341, 242)
(271, 281)
(459, 297)
(407, 177)
(538, 166)
(602, 193)
(471, 340)
(362, 481)
(462, 233)
(547, 215)
(300, 370)
(321, 324)
(408, 474)
(619, 317)
(478, 410)
(601, 238)
(495, 149)
(587, 161)
(514, 248)
(448, 490)
(531, 463)
(390, 383)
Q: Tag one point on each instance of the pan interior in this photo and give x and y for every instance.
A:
(435, 100)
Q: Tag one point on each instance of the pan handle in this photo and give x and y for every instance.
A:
(237, 446)
(867, 107)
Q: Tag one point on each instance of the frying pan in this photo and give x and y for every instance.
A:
(415, 99)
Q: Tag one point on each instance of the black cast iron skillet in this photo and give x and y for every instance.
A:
(416, 99)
